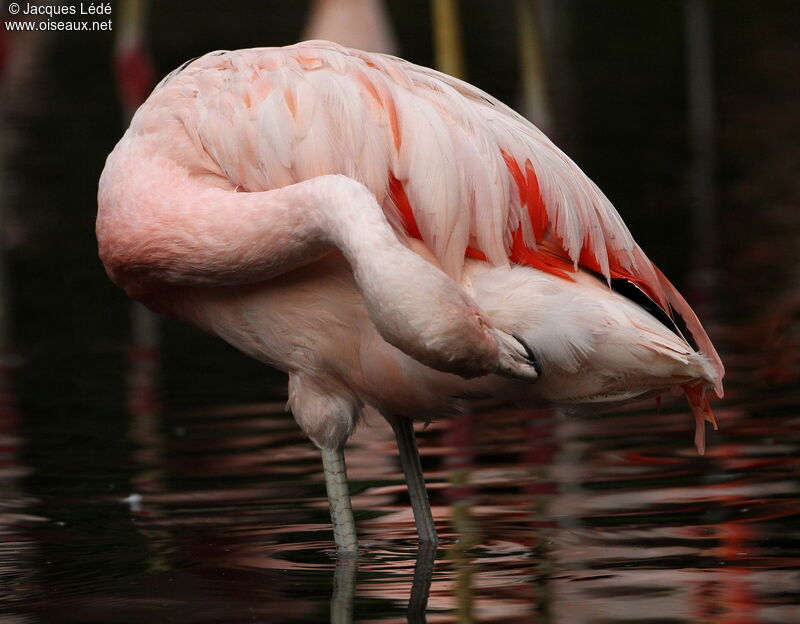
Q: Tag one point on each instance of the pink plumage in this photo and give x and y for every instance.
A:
(389, 236)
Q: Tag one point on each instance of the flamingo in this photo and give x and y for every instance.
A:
(395, 240)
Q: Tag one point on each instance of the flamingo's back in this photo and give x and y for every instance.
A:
(450, 164)
(462, 170)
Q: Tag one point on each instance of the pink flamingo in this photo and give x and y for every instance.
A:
(394, 239)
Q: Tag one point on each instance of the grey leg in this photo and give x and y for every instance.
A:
(409, 460)
(344, 589)
(421, 585)
(344, 527)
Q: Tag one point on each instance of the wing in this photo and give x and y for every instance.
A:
(527, 201)
(450, 164)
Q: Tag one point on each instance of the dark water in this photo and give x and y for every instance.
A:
(218, 514)
(151, 475)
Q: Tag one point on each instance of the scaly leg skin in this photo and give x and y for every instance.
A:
(344, 527)
(409, 460)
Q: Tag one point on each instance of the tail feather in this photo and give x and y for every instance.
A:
(681, 307)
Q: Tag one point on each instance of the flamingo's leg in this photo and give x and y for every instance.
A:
(412, 468)
(344, 527)
(204, 234)
(327, 414)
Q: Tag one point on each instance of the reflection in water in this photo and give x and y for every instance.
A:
(344, 587)
(615, 518)
(545, 516)
(17, 551)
